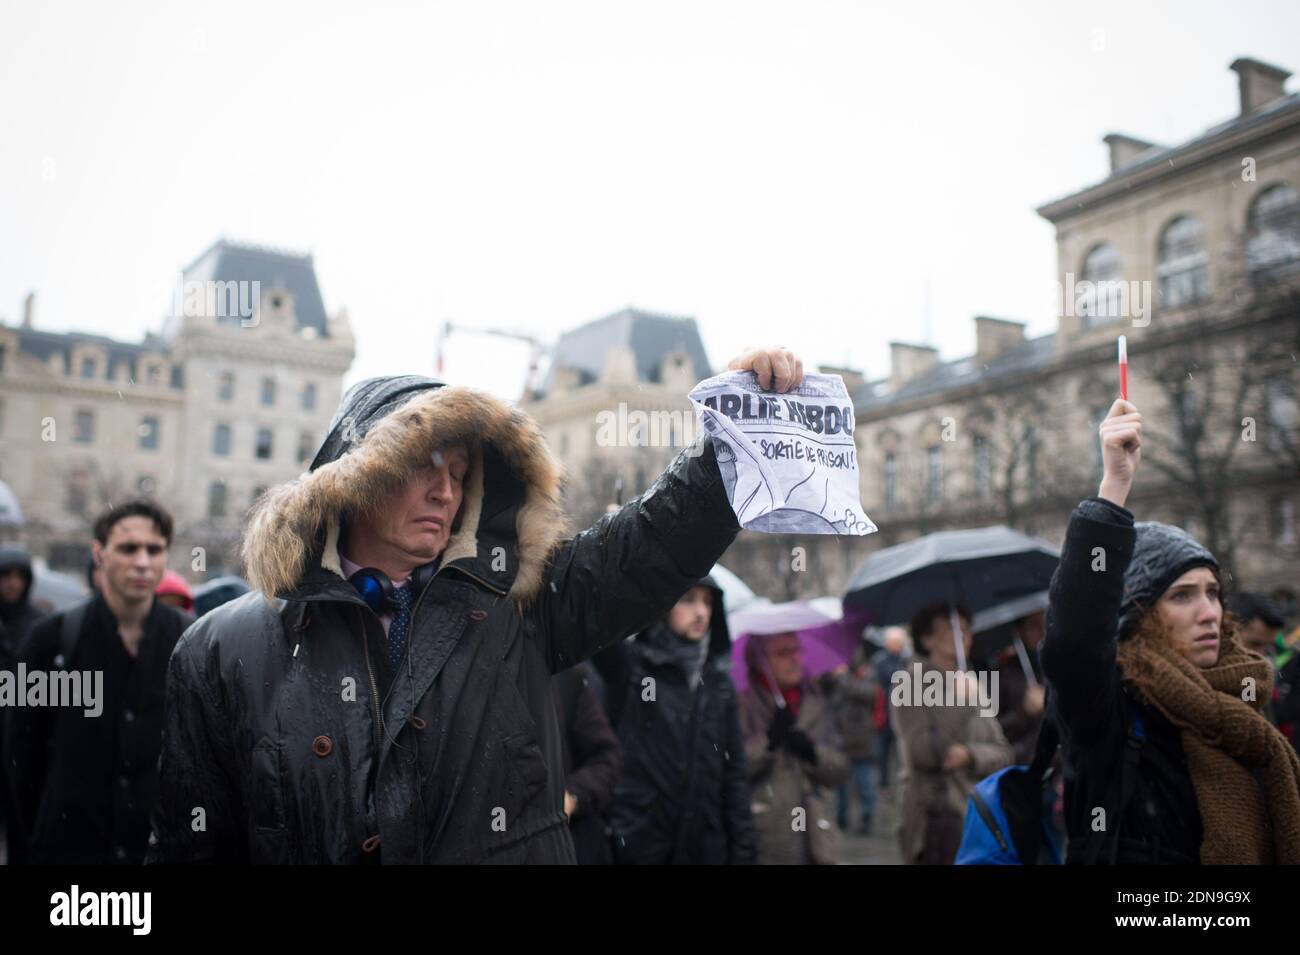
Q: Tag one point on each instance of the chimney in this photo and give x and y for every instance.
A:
(1260, 83)
(993, 336)
(620, 366)
(29, 309)
(1124, 150)
(908, 362)
(854, 378)
(677, 371)
(564, 379)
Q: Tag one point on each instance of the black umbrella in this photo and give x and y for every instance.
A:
(984, 567)
(995, 628)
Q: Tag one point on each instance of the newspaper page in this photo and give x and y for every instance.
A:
(788, 460)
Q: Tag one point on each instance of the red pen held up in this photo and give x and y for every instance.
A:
(1123, 367)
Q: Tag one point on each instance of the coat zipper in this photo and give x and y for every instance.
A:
(374, 686)
(365, 644)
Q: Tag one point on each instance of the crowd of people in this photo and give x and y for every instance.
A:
(407, 695)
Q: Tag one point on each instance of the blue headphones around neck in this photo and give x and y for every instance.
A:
(377, 590)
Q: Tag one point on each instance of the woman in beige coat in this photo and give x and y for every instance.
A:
(793, 753)
(945, 745)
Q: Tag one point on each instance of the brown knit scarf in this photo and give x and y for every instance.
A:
(1224, 738)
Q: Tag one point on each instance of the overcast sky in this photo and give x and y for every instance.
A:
(791, 173)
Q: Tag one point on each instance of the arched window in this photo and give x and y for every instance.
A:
(1273, 235)
(1101, 298)
(1184, 267)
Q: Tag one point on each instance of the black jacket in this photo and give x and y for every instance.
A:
(83, 786)
(18, 618)
(684, 795)
(593, 761)
(275, 726)
(1095, 709)
(16, 621)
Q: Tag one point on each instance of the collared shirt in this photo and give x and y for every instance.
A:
(350, 568)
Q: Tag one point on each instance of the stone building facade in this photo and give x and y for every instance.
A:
(231, 396)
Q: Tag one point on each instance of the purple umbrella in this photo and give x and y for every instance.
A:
(826, 637)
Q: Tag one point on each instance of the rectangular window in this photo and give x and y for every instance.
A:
(78, 495)
(221, 440)
(1284, 522)
(983, 467)
(309, 396)
(226, 386)
(263, 444)
(1031, 459)
(1187, 413)
(934, 473)
(148, 434)
(1280, 399)
(83, 431)
(217, 499)
(268, 392)
(891, 481)
(87, 368)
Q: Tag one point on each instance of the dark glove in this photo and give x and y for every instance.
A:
(782, 723)
(797, 742)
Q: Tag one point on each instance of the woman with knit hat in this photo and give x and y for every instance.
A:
(1167, 756)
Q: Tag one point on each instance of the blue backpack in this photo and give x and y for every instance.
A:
(1005, 823)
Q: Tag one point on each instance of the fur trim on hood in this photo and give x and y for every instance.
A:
(512, 491)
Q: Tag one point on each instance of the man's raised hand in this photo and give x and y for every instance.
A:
(778, 369)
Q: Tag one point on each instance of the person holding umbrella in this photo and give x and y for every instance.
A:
(1167, 756)
(943, 749)
(1021, 693)
(794, 754)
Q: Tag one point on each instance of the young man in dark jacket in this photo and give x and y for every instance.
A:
(403, 711)
(85, 774)
(684, 795)
(17, 617)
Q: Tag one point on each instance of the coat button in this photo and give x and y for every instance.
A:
(478, 614)
(322, 745)
(129, 716)
(371, 844)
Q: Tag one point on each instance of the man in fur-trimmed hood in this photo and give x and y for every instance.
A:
(384, 692)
